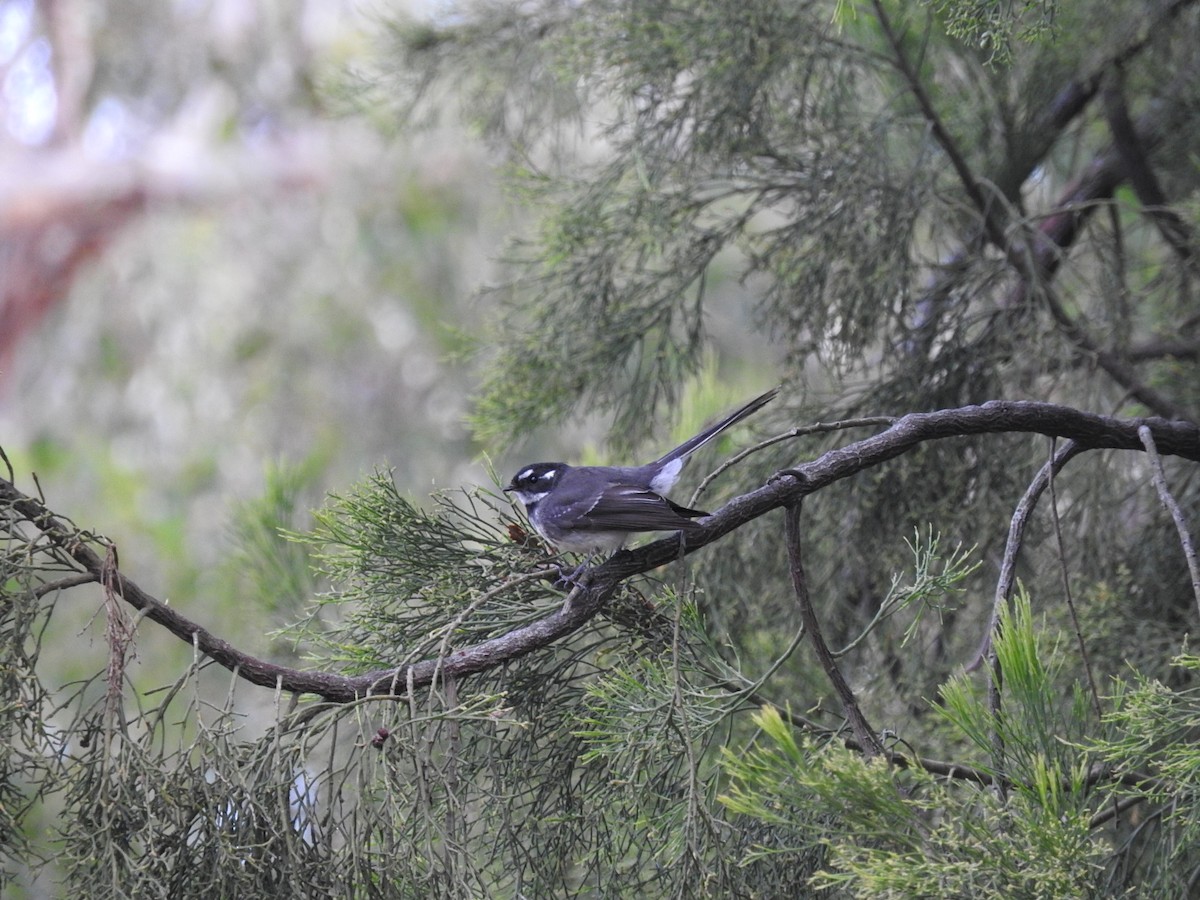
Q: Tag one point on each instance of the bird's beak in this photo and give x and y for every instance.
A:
(507, 488)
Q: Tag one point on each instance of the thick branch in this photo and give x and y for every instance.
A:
(1164, 348)
(1063, 224)
(1031, 145)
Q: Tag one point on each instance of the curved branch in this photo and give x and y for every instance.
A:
(1087, 431)
(1090, 431)
(1062, 224)
(1016, 537)
(1172, 505)
(864, 733)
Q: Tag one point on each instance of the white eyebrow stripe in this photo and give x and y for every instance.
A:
(525, 474)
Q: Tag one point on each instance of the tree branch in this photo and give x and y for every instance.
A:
(1016, 537)
(865, 734)
(1164, 494)
(1163, 348)
(993, 226)
(1089, 430)
(1110, 362)
(1075, 205)
(1085, 430)
(1174, 230)
(1059, 229)
(1035, 140)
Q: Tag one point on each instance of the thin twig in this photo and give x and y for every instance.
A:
(118, 635)
(697, 812)
(992, 225)
(60, 584)
(867, 738)
(1016, 533)
(1117, 368)
(452, 781)
(798, 431)
(1016, 537)
(1067, 595)
(1164, 494)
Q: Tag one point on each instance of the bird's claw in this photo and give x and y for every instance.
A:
(798, 474)
(569, 582)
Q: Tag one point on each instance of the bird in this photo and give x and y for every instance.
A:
(594, 510)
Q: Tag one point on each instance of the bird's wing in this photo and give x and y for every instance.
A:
(625, 508)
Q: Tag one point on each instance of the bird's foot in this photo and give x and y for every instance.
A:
(799, 474)
(570, 581)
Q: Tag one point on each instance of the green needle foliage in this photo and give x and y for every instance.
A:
(1029, 740)
(1154, 729)
(880, 831)
(409, 583)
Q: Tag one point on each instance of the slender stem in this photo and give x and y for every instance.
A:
(798, 431)
(1016, 536)
(1016, 533)
(1164, 494)
(867, 738)
(1068, 596)
(60, 584)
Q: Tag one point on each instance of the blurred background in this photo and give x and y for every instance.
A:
(232, 269)
(215, 264)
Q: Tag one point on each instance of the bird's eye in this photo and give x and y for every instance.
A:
(534, 478)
